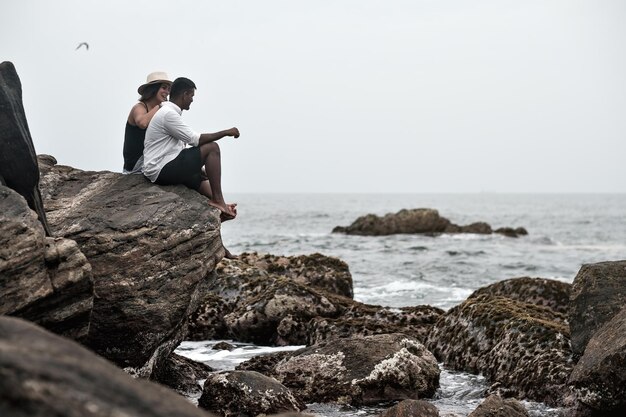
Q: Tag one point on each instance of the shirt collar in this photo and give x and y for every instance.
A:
(173, 106)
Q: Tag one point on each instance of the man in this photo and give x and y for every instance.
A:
(167, 160)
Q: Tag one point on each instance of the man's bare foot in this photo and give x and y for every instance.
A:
(227, 211)
(229, 255)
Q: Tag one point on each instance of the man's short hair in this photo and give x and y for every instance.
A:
(180, 85)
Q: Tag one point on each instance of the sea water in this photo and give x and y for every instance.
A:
(564, 232)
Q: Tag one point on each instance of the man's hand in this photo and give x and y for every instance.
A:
(234, 132)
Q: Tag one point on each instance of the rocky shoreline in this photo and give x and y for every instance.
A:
(100, 287)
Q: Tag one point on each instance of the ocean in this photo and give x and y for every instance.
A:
(565, 231)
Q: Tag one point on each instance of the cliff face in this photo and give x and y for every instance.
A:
(151, 250)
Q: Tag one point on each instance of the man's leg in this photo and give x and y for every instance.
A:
(212, 160)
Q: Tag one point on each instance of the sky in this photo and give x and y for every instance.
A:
(364, 96)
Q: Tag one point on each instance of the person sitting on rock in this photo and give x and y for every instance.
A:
(153, 92)
(167, 160)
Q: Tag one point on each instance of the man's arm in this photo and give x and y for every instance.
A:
(212, 137)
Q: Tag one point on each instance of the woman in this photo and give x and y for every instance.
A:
(153, 93)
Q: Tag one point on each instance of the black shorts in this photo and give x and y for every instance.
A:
(185, 169)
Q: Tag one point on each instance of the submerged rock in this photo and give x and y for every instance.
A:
(46, 375)
(151, 249)
(411, 408)
(414, 221)
(43, 279)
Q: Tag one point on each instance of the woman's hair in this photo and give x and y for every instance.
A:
(180, 85)
(150, 91)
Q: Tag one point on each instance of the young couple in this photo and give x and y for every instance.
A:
(156, 139)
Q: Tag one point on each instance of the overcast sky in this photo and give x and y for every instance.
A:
(342, 96)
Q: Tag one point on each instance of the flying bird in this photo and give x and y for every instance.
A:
(85, 44)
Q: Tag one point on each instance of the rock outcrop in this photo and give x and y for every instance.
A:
(598, 293)
(414, 221)
(18, 160)
(47, 375)
(43, 279)
(251, 304)
(151, 250)
(523, 349)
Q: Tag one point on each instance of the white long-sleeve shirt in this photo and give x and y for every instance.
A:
(166, 136)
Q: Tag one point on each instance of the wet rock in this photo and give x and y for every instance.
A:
(223, 346)
(494, 406)
(182, 375)
(366, 320)
(263, 364)
(523, 349)
(412, 408)
(236, 393)
(598, 293)
(43, 279)
(511, 232)
(539, 291)
(599, 377)
(47, 375)
(317, 270)
(250, 304)
(414, 221)
(361, 370)
(151, 249)
(18, 160)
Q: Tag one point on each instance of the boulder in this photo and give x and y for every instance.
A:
(495, 406)
(43, 279)
(46, 375)
(237, 393)
(522, 348)
(247, 303)
(182, 375)
(361, 370)
(411, 408)
(18, 160)
(539, 291)
(151, 249)
(598, 293)
(421, 220)
(599, 377)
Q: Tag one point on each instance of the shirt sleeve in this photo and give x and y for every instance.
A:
(175, 126)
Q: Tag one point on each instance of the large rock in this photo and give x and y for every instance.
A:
(539, 291)
(361, 370)
(599, 377)
(47, 375)
(421, 220)
(151, 249)
(43, 279)
(18, 160)
(598, 293)
(246, 393)
(250, 304)
(522, 348)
